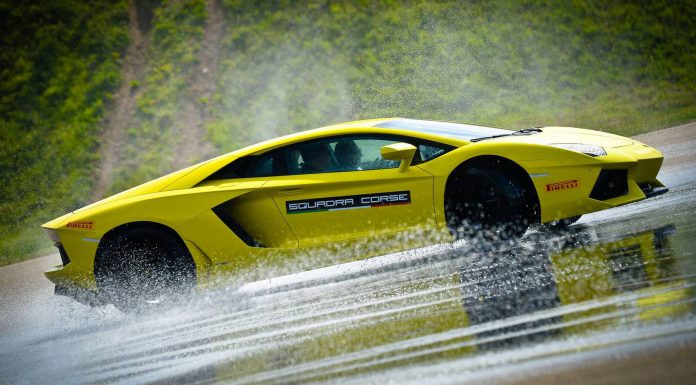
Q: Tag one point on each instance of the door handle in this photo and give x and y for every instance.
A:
(291, 190)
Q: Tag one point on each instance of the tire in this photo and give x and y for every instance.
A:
(142, 269)
(488, 202)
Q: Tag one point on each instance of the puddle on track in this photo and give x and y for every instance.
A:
(429, 315)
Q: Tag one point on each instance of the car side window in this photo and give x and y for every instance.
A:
(430, 151)
(349, 153)
(371, 156)
(270, 164)
(335, 154)
(312, 158)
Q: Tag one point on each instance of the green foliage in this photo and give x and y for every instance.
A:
(54, 83)
(605, 65)
(177, 30)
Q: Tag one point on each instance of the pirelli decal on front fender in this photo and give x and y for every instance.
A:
(565, 185)
(348, 202)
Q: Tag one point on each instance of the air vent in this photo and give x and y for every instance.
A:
(610, 184)
(63, 254)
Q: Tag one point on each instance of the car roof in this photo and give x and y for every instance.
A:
(445, 132)
(384, 126)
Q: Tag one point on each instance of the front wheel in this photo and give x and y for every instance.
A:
(144, 269)
(488, 202)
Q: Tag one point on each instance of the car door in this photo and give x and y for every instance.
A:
(340, 188)
(250, 213)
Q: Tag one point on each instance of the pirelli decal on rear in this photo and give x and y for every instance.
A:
(348, 202)
(565, 185)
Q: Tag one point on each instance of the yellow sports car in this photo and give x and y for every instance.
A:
(341, 192)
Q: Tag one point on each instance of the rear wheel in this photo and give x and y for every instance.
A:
(490, 200)
(141, 269)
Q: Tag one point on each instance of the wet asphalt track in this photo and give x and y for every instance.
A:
(616, 291)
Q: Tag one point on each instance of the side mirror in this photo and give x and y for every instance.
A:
(399, 151)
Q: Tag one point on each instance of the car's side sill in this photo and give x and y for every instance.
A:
(653, 192)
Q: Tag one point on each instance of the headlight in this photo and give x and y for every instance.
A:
(587, 149)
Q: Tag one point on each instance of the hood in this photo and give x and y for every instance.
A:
(550, 135)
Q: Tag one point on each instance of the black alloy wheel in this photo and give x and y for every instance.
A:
(143, 270)
(489, 204)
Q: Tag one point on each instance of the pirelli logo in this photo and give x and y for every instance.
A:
(80, 225)
(348, 202)
(565, 185)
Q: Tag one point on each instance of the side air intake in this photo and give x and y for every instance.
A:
(610, 184)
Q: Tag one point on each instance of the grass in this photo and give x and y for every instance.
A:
(504, 63)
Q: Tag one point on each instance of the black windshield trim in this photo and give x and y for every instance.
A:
(524, 131)
(445, 129)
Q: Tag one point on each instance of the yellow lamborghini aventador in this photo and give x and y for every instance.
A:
(336, 193)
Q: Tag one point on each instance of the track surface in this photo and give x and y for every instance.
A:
(611, 301)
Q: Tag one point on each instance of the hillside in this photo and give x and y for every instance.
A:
(100, 96)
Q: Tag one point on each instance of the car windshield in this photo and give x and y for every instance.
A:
(452, 130)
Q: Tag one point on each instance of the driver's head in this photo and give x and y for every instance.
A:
(316, 157)
(348, 154)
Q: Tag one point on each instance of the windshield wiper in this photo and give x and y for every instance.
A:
(524, 131)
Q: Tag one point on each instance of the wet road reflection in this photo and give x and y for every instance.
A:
(448, 307)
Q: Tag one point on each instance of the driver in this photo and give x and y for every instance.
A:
(316, 157)
(348, 155)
